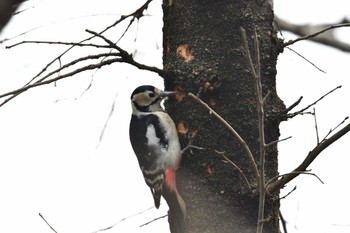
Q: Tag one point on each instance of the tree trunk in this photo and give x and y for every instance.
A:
(203, 55)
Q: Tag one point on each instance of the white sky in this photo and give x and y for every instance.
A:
(51, 161)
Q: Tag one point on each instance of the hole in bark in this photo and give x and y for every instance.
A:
(180, 95)
(185, 51)
(182, 127)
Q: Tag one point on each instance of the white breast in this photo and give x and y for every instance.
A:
(172, 154)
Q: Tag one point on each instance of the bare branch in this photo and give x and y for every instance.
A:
(235, 166)
(153, 220)
(278, 184)
(291, 115)
(126, 29)
(290, 192)
(69, 74)
(107, 121)
(308, 32)
(41, 216)
(136, 14)
(109, 42)
(307, 60)
(316, 127)
(56, 43)
(125, 57)
(255, 70)
(97, 56)
(283, 221)
(277, 141)
(305, 172)
(296, 103)
(123, 219)
(189, 147)
(332, 130)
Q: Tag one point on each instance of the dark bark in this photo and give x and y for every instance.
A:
(203, 54)
(7, 8)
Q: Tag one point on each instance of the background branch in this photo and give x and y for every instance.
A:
(42, 217)
(278, 184)
(56, 43)
(318, 33)
(15, 93)
(124, 57)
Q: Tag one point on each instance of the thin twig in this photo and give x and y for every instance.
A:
(233, 164)
(189, 147)
(52, 80)
(332, 130)
(290, 192)
(316, 127)
(123, 219)
(305, 172)
(292, 106)
(74, 62)
(291, 115)
(127, 58)
(109, 42)
(136, 14)
(107, 121)
(41, 216)
(316, 33)
(307, 60)
(277, 141)
(283, 221)
(56, 43)
(126, 29)
(232, 130)
(255, 70)
(266, 96)
(153, 220)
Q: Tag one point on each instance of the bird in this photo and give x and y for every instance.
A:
(155, 141)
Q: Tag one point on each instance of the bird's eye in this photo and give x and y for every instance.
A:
(151, 95)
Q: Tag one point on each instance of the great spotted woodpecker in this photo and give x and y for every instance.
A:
(156, 144)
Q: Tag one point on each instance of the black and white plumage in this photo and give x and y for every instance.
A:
(154, 139)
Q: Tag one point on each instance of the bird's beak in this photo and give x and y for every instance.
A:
(164, 94)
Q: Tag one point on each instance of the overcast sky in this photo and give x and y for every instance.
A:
(51, 160)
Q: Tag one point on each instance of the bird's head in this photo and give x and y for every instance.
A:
(148, 98)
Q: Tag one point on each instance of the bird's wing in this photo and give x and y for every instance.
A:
(147, 139)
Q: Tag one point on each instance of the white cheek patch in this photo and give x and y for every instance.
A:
(142, 99)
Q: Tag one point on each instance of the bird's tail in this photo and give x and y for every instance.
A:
(156, 196)
(177, 207)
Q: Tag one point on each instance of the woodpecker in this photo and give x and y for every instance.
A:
(154, 139)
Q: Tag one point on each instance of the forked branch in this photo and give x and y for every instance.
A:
(280, 183)
(116, 55)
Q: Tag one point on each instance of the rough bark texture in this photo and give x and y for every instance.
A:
(7, 8)
(203, 54)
